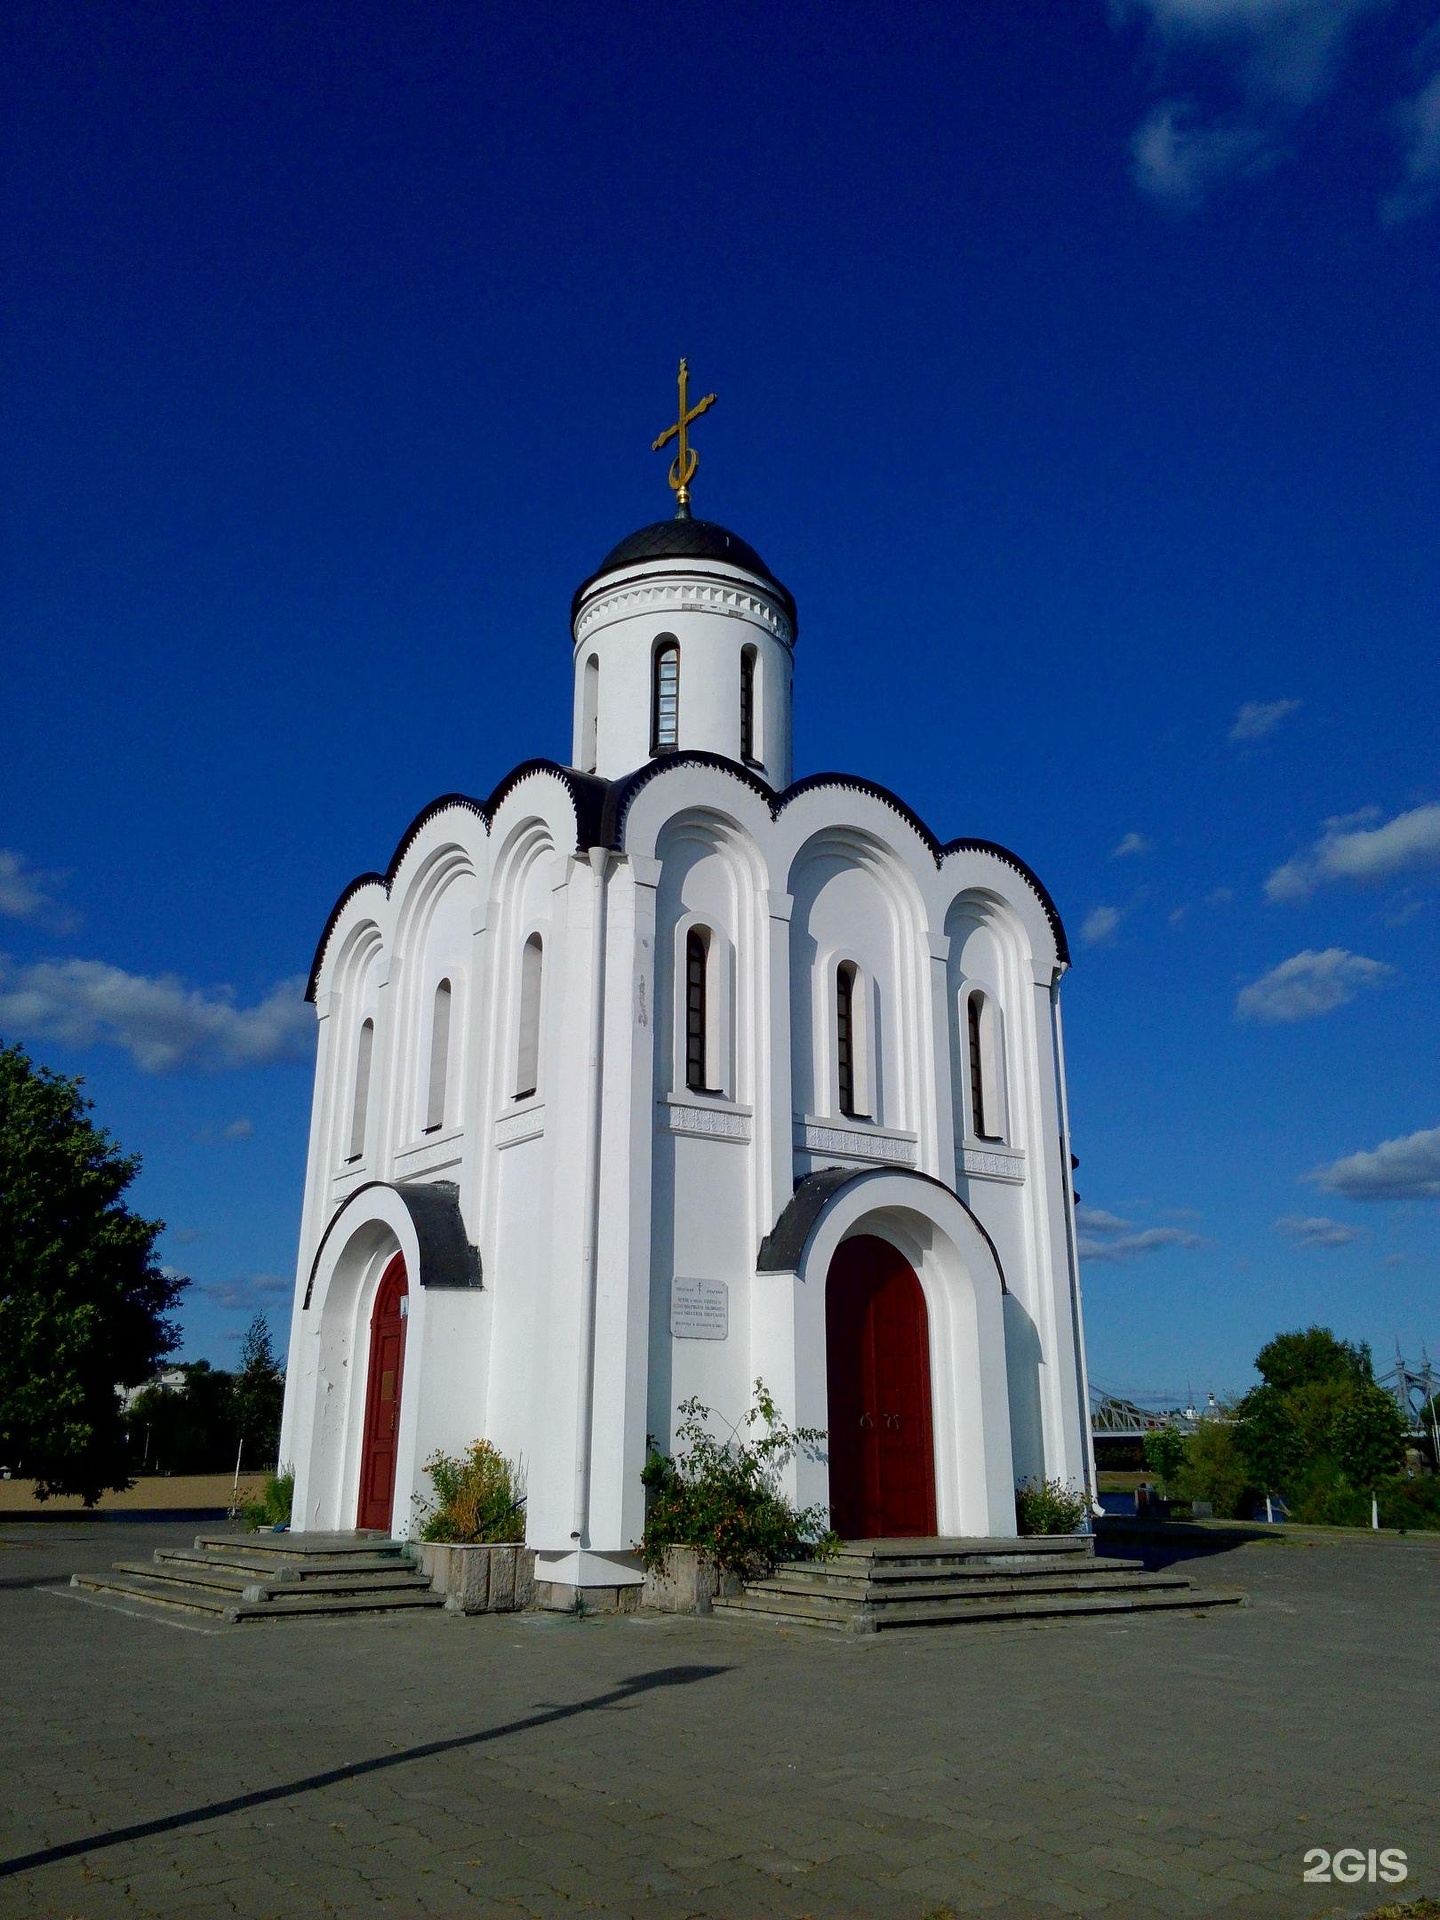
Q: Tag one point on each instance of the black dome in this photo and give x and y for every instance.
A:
(685, 540)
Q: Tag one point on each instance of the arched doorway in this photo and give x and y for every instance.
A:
(877, 1350)
(382, 1398)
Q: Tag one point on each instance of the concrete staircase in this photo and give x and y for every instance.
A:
(871, 1584)
(264, 1576)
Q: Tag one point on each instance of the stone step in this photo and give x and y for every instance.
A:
(228, 1579)
(1021, 1551)
(302, 1546)
(815, 1612)
(897, 1594)
(912, 1575)
(286, 1603)
(277, 1567)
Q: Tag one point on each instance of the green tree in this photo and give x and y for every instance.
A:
(186, 1429)
(1293, 1360)
(1216, 1470)
(1165, 1454)
(259, 1395)
(83, 1298)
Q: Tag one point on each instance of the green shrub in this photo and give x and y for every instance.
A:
(1048, 1506)
(1216, 1470)
(1165, 1455)
(1413, 1504)
(724, 1498)
(272, 1508)
(479, 1496)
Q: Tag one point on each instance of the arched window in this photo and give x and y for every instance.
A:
(439, 1059)
(747, 705)
(590, 716)
(697, 966)
(527, 1051)
(845, 1048)
(665, 705)
(987, 1098)
(359, 1109)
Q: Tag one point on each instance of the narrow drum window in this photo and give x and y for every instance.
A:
(590, 717)
(527, 1052)
(665, 718)
(985, 1098)
(747, 705)
(365, 1047)
(845, 1038)
(439, 1059)
(697, 958)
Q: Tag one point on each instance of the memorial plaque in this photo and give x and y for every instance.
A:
(699, 1309)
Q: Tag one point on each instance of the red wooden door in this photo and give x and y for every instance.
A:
(382, 1398)
(877, 1343)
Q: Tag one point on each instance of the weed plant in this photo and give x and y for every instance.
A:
(724, 1497)
(479, 1496)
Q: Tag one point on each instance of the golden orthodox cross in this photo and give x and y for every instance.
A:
(682, 467)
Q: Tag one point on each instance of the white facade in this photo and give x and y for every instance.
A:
(504, 1095)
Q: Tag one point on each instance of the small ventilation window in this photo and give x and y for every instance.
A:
(590, 716)
(665, 716)
(359, 1109)
(747, 707)
(987, 1098)
(697, 964)
(527, 1052)
(439, 1059)
(845, 1038)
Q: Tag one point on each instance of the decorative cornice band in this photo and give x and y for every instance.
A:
(859, 1143)
(698, 1117)
(681, 596)
(992, 1163)
(516, 1127)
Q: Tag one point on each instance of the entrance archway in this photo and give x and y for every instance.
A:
(877, 1350)
(382, 1397)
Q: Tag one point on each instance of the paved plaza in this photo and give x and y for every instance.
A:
(1169, 1764)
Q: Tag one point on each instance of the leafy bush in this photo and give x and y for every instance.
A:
(1216, 1470)
(724, 1497)
(1165, 1455)
(1048, 1506)
(480, 1495)
(1413, 1504)
(272, 1509)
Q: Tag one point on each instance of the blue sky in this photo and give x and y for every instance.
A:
(1077, 371)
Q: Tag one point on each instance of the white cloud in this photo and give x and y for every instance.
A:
(1406, 1169)
(1132, 843)
(1178, 161)
(1219, 896)
(1258, 718)
(1309, 984)
(240, 1129)
(1099, 925)
(254, 1293)
(1279, 57)
(1419, 124)
(1106, 1237)
(160, 1022)
(1134, 1246)
(1096, 1220)
(1346, 851)
(1318, 1231)
(26, 894)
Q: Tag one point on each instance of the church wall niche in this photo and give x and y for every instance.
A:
(433, 934)
(356, 1000)
(855, 905)
(514, 1144)
(702, 1175)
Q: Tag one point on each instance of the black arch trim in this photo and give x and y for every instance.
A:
(601, 808)
(783, 1248)
(447, 1258)
(622, 794)
(587, 798)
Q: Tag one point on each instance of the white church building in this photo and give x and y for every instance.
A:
(662, 1072)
